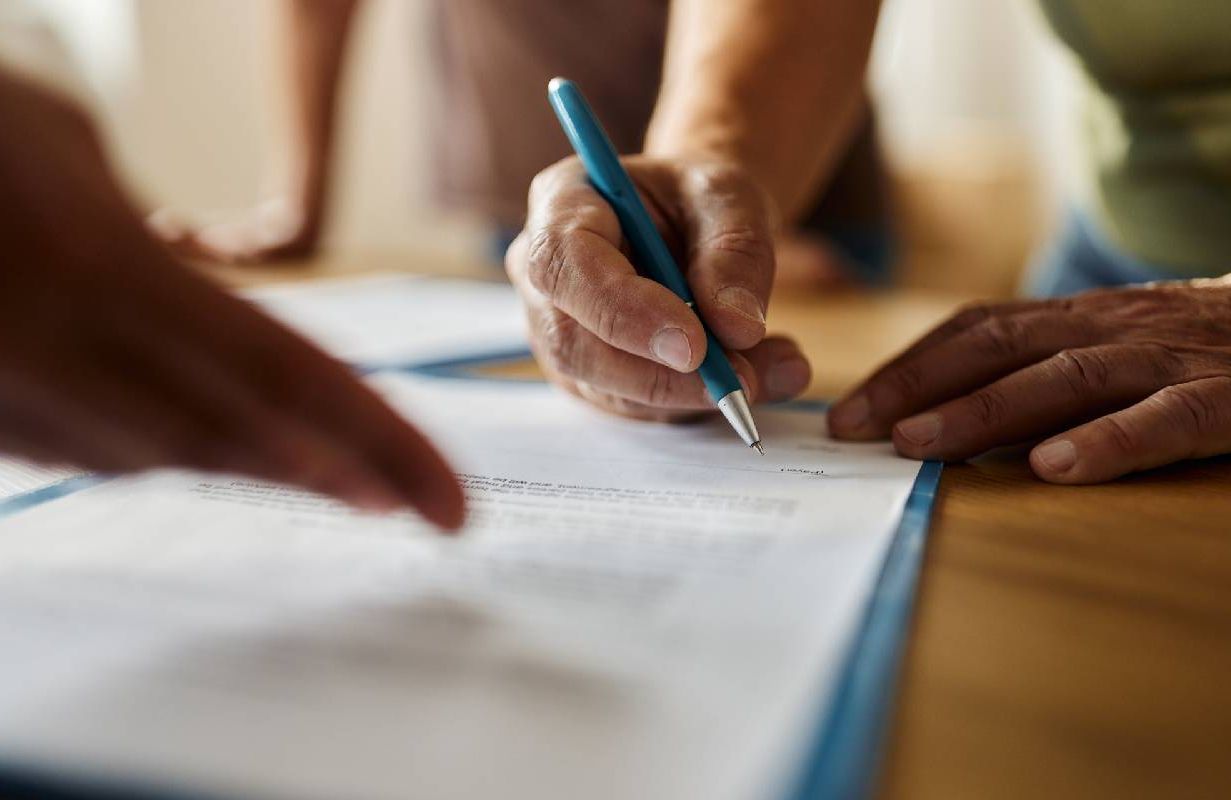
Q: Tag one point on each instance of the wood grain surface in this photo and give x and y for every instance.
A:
(1069, 642)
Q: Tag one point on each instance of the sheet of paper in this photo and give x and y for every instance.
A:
(18, 476)
(395, 319)
(634, 610)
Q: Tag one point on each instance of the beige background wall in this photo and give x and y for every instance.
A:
(972, 96)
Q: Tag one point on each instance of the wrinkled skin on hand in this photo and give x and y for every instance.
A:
(114, 357)
(1116, 380)
(624, 342)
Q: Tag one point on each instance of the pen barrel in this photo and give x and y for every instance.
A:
(651, 256)
(654, 260)
(716, 371)
(609, 179)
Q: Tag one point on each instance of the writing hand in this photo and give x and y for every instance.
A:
(624, 342)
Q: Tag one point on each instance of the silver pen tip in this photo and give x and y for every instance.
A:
(757, 446)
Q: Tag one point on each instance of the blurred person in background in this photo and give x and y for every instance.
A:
(493, 130)
(117, 358)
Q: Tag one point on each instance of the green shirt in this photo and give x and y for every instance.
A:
(1157, 124)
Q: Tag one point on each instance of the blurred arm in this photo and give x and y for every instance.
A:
(288, 224)
(772, 85)
(314, 38)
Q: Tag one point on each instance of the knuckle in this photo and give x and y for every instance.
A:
(1136, 303)
(1220, 392)
(658, 388)
(1189, 408)
(1118, 435)
(540, 184)
(1062, 305)
(605, 400)
(970, 315)
(989, 407)
(608, 318)
(718, 179)
(1163, 362)
(905, 381)
(545, 181)
(1000, 338)
(558, 343)
(546, 259)
(1085, 370)
(740, 240)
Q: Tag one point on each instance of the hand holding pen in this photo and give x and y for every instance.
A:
(625, 342)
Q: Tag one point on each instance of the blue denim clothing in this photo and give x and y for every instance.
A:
(869, 251)
(1081, 258)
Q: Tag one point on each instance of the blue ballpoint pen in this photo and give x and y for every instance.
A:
(653, 258)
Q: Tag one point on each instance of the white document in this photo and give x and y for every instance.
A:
(634, 611)
(396, 319)
(18, 476)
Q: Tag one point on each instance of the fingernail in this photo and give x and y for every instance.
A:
(920, 430)
(852, 413)
(1057, 456)
(671, 347)
(788, 378)
(743, 302)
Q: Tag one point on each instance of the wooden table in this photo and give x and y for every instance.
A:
(1069, 642)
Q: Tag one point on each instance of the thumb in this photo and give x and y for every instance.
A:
(730, 252)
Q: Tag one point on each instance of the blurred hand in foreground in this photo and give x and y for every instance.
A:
(116, 358)
(624, 342)
(1119, 380)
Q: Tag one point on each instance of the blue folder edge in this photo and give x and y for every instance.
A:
(843, 754)
(843, 758)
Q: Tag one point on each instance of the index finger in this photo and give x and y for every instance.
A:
(570, 254)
